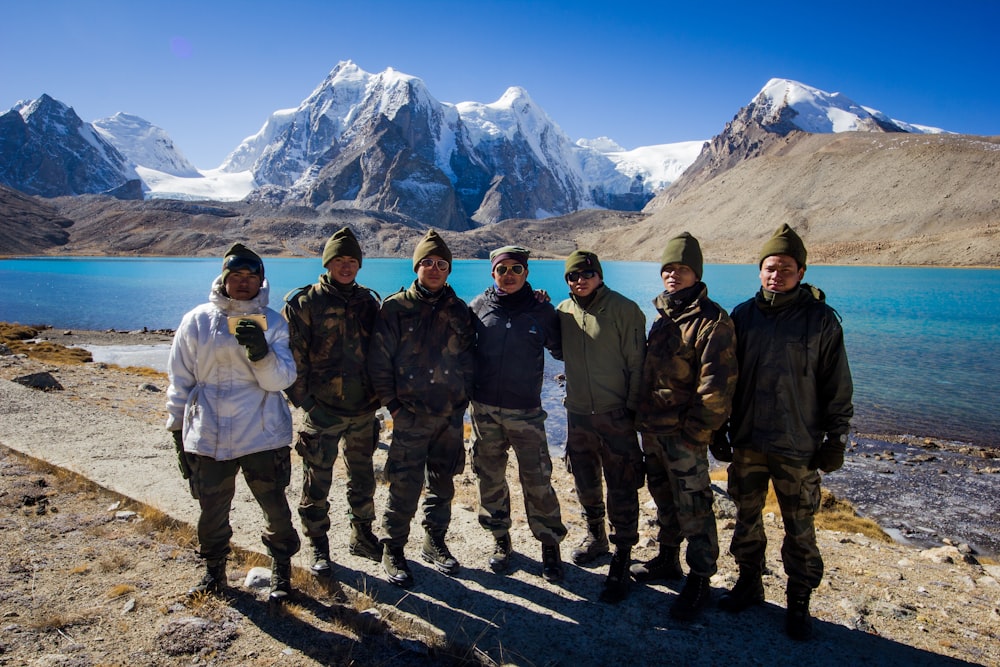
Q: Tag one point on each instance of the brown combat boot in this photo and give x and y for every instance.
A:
(666, 565)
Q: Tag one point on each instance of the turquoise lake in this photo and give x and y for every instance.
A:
(924, 344)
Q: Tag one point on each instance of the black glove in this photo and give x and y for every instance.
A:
(181, 460)
(830, 455)
(720, 447)
(251, 336)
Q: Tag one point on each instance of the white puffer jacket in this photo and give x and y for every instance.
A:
(227, 405)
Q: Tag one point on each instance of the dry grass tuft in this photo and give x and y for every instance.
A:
(119, 590)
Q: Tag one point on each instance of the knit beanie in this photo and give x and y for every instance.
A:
(784, 241)
(512, 252)
(342, 244)
(431, 244)
(683, 249)
(583, 260)
(240, 257)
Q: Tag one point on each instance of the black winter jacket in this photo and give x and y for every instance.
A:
(512, 333)
(794, 383)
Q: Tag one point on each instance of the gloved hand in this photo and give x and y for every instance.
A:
(720, 446)
(830, 455)
(181, 460)
(251, 336)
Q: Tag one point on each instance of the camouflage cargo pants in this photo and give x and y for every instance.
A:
(495, 431)
(318, 446)
(606, 444)
(798, 491)
(426, 453)
(677, 477)
(267, 474)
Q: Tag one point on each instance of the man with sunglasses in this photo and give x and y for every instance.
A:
(603, 344)
(228, 365)
(331, 324)
(513, 330)
(421, 365)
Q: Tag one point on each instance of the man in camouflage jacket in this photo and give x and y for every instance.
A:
(687, 387)
(331, 324)
(421, 365)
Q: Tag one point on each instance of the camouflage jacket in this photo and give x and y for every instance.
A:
(330, 332)
(795, 383)
(603, 346)
(690, 371)
(422, 356)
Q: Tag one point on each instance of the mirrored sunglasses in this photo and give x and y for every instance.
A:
(516, 269)
(442, 265)
(573, 276)
(239, 263)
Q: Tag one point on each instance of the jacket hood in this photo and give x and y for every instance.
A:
(232, 306)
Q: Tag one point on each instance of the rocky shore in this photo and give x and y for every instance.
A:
(923, 603)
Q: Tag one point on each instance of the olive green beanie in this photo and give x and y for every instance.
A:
(241, 257)
(583, 260)
(784, 241)
(431, 244)
(683, 249)
(343, 243)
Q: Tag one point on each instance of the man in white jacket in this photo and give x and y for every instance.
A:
(229, 363)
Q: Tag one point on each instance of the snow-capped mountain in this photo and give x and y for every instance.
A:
(812, 110)
(780, 108)
(45, 149)
(144, 144)
(451, 163)
(655, 166)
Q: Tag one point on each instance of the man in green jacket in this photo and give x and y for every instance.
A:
(791, 415)
(421, 365)
(331, 324)
(603, 343)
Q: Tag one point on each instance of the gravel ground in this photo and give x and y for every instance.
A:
(82, 584)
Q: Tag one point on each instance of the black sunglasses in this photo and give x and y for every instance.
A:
(573, 276)
(516, 269)
(239, 263)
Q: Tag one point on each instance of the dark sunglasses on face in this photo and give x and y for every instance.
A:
(573, 276)
(516, 269)
(237, 263)
(442, 265)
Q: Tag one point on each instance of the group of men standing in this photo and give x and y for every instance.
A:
(768, 390)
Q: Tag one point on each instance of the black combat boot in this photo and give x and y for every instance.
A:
(798, 622)
(616, 586)
(666, 565)
(281, 580)
(552, 567)
(594, 545)
(693, 598)
(321, 565)
(500, 559)
(436, 552)
(214, 581)
(395, 566)
(363, 542)
(748, 591)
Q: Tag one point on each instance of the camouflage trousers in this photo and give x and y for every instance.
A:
(798, 491)
(267, 474)
(606, 443)
(426, 453)
(495, 431)
(318, 446)
(678, 481)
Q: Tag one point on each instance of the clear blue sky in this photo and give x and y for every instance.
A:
(210, 73)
